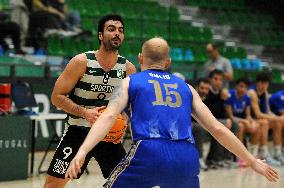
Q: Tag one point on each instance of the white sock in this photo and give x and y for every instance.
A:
(264, 150)
(249, 146)
(277, 150)
(254, 150)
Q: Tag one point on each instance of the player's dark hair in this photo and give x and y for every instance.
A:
(263, 76)
(204, 80)
(215, 72)
(243, 80)
(103, 20)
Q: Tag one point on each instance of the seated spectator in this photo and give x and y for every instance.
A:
(71, 19)
(12, 30)
(55, 11)
(276, 102)
(218, 156)
(51, 17)
(258, 94)
(238, 109)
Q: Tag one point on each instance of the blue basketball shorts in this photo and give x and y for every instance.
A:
(157, 163)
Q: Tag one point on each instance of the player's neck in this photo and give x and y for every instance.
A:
(157, 66)
(259, 92)
(214, 90)
(106, 58)
(238, 95)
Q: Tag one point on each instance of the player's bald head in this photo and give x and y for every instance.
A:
(156, 49)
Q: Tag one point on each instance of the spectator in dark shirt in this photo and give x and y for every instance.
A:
(215, 101)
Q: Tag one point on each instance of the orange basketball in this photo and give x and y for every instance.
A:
(117, 130)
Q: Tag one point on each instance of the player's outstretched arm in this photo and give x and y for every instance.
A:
(205, 118)
(100, 128)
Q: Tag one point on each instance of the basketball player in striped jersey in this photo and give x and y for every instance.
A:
(82, 90)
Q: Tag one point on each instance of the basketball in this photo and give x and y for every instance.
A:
(117, 131)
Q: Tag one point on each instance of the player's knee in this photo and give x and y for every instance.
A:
(264, 123)
(241, 127)
(277, 126)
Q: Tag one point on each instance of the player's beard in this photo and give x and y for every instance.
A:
(111, 46)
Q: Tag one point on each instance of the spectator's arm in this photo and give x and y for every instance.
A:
(248, 113)
(228, 74)
(267, 102)
(255, 107)
(231, 115)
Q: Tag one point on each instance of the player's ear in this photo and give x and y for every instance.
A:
(140, 58)
(168, 63)
(100, 35)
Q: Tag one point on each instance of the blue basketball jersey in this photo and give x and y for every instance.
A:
(262, 101)
(160, 105)
(276, 102)
(238, 105)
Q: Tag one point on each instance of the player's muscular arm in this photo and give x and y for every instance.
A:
(130, 68)
(74, 71)
(218, 131)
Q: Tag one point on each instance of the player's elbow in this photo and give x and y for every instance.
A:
(258, 115)
(218, 131)
(55, 98)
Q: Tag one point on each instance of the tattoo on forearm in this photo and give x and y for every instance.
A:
(69, 106)
(116, 96)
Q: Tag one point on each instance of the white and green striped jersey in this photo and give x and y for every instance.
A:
(95, 87)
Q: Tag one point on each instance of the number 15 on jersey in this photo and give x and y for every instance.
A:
(171, 94)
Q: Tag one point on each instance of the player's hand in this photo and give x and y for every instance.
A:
(91, 115)
(75, 166)
(264, 169)
(225, 94)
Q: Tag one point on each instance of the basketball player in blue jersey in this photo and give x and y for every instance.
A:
(238, 109)
(82, 90)
(276, 102)
(258, 94)
(163, 154)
